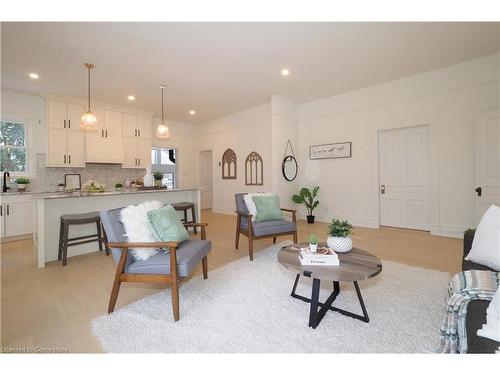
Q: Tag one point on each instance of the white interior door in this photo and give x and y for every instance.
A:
(404, 178)
(487, 160)
(206, 179)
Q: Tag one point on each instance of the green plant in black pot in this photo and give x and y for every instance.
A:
(118, 186)
(307, 198)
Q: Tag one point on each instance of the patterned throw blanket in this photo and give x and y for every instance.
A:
(464, 287)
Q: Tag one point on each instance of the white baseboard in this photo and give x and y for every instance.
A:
(448, 231)
(224, 210)
(326, 217)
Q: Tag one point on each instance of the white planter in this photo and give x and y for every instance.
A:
(313, 247)
(339, 244)
(21, 187)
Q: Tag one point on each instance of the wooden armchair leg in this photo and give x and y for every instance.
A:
(175, 299)
(114, 295)
(274, 239)
(204, 264)
(295, 237)
(250, 247)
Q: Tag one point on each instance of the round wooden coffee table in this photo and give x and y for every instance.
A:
(355, 265)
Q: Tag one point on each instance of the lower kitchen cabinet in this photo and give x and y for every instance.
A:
(16, 216)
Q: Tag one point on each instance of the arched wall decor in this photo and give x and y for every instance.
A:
(229, 165)
(254, 169)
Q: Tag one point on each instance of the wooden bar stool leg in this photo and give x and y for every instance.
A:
(61, 229)
(65, 243)
(193, 215)
(99, 234)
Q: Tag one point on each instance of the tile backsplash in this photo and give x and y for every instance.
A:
(47, 178)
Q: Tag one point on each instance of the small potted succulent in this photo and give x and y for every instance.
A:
(118, 186)
(307, 198)
(22, 183)
(60, 186)
(158, 176)
(313, 243)
(338, 236)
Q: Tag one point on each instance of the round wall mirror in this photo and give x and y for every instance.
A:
(290, 168)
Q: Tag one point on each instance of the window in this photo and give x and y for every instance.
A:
(163, 160)
(14, 146)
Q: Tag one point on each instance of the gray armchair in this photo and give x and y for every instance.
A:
(166, 267)
(265, 229)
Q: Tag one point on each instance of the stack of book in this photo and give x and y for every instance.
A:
(322, 257)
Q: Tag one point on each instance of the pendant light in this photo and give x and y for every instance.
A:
(88, 120)
(162, 130)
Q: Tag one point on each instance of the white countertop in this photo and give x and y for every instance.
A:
(82, 194)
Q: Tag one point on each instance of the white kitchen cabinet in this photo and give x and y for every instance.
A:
(137, 153)
(136, 126)
(144, 127)
(16, 212)
(106, 145)
(65, 139)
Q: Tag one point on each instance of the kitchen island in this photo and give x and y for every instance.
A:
(48, 208)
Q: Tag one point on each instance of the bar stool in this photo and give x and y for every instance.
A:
(185, 206)
(78, 219)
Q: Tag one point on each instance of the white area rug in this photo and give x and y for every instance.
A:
(246, 307)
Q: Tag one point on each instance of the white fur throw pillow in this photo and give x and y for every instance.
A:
(485, 248)
(252, 209)
(137, 229)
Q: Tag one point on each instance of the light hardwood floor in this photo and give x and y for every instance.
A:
(53, 307)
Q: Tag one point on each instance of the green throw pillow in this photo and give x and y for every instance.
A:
(166, 225)
(268, 208)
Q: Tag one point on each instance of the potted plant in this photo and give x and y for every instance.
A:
(306, 197)
(21, 183)
(313, 243)
(60, 186)
(338, 236)
(118, 186)
(158, 176)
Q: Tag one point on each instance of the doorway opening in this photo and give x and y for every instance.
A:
(164, 161)
(206, 169)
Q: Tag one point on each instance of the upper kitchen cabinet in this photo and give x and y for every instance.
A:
(65, 139)
(136, 126)
(105, 145)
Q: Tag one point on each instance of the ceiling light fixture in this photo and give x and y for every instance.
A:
(285, 72)
(192, 112)
(131, 98)
(34, 76)
(89, 119)
(162, 130)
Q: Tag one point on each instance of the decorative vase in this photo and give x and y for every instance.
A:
(148, 180)
(339, 244)
(313, 247)
(310, 219)
(158, 183)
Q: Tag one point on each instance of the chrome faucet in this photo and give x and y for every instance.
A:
(6, 175)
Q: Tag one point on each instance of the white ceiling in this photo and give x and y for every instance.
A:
(221, 68)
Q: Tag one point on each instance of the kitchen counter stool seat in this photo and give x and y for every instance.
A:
(185, 206)
(79, 219)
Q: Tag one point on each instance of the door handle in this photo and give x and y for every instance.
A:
(8, 209)
(69, 124)
(139, 132)
(479, 191)
(135, 132)
(64, 159)
(64, 126)
(1, 210)
(106, 133)
(382, 189)
(139, 161)
(69, 159)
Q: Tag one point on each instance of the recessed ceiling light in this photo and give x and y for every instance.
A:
(285, 72)
(192, 112)
(131, 98)
(34, 76)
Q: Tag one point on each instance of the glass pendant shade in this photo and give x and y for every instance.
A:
(88, 121)
(162, 131)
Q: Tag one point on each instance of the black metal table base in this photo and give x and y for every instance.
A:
(316, 315)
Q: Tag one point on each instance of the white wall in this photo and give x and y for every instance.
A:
(448, 100)
(244, 132)
(284, 127)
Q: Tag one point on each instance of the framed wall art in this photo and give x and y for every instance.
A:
(331, 151)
